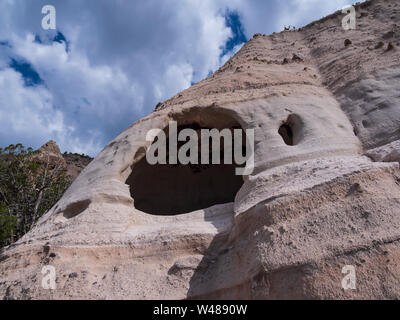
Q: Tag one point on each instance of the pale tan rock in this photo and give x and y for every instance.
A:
(306, 211)
(387, 153)
(49, 154)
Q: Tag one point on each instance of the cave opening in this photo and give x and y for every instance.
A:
(173, 189)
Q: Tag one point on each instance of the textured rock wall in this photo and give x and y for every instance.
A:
(308, 209)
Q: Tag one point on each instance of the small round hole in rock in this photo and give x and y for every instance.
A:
(76, 208)
(291, 130)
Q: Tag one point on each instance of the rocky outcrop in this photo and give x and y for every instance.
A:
(71, 163)
(324, 193)
(49, 154)
(387, 153)
(76, 163)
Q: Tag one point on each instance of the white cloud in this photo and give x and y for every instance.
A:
(26, 113)
(178, 77)
(300, 12)
(123, 58)
(267, 16)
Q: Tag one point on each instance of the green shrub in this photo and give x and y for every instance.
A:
(28, 188)
(8, 225)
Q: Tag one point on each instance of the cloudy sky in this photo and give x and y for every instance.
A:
(109, 62)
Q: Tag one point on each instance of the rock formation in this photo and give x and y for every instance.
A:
(72, 163)
(325, 192)
(76, 163)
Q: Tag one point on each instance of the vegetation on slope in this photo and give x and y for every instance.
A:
(31, 182)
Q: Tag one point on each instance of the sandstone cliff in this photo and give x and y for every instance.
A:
(327, 199)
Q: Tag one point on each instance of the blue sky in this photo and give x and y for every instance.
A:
(110, 62)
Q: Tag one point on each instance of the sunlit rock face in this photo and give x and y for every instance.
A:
(324, 192)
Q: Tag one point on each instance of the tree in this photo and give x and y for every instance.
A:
(30, 184)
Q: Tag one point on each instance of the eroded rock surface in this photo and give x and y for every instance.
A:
(327, 197)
